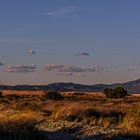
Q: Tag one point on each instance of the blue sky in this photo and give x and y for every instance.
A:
(92, 41)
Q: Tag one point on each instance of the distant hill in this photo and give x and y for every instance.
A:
(131, 86)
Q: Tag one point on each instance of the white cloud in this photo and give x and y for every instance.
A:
(20, 68)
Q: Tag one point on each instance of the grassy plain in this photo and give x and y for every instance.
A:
(22, 114)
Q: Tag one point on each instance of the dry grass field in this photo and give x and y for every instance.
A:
(11, 92)
(23, 113)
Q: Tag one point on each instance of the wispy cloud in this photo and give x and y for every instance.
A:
(82, 54)
(133, 64)
(131, 69)
(79, 75)
(20, 68)
(139, 64)
(72, 69)
(66, 11)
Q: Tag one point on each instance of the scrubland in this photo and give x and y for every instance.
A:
(28, 115)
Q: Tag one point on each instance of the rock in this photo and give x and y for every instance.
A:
(65, 130)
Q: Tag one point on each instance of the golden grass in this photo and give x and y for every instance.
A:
(131, 122)
(90, 108)
(12, 122)
(25, 92)
(97, 110)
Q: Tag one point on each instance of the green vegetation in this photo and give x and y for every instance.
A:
(118, 92)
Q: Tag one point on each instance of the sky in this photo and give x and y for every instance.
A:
(80, 41)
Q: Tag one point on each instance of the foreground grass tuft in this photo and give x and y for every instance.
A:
(19, 125)
(131, 122)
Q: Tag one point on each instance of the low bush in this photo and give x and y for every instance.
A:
(115, 117)
(91, 113)
(53, 95)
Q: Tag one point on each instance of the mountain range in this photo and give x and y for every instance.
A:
(131, 86)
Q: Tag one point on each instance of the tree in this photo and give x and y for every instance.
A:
(118, 92)
(109, 93)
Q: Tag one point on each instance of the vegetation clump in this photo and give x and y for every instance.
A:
(118, 92)
(114, 117)
(53, 95)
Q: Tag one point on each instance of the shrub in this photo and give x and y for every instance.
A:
(53, 95)
(118, 92)
(109, 93)
(115, 117)
(91, 113)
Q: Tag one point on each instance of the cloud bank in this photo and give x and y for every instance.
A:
(72, 69)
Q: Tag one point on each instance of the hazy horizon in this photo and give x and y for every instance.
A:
(86, 42)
